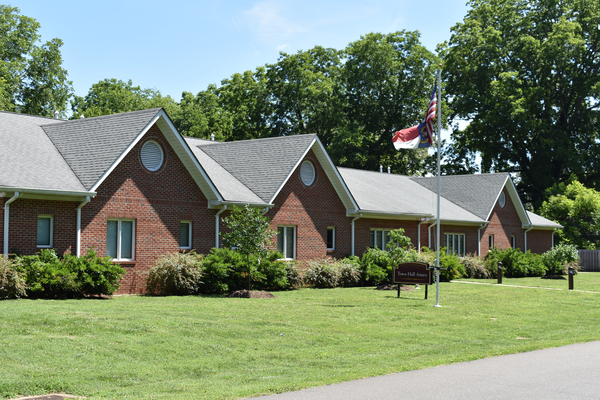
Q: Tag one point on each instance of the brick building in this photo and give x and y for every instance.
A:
(130, 186)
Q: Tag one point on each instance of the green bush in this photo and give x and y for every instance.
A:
(271, 272)
(176, 274)
(515, 263)
(558, 260)
(321, 274)
(454, 269)
(348, 272)
(475, 267)
(12, 284)
(47, 276)
(376, 266)
(292, 272)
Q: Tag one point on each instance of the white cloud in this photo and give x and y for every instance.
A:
(267, 22)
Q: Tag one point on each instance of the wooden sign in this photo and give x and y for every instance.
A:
(412, 273)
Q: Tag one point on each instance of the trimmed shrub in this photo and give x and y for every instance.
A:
(94, 276)
(292, 272)
(321, 274)
(271, 272)
(348, 271)
(475, 267)
(454, 268)
(176, 274)
(12, 284)
(515, 263)
(376, 266)
(558, 260)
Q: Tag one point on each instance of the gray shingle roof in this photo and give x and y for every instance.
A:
(91, 145)
(29, 160)
(262, 165)
(398, 194)
(476, 193)
(540, 222)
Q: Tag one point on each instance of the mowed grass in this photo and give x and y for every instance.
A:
(587, 281)
(222, 348)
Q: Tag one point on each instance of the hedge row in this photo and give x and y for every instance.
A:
(45, 275)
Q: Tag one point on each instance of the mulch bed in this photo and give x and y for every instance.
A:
(395, 287)
(251, 294)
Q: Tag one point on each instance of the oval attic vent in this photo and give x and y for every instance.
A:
(152, 155)
(307, 173)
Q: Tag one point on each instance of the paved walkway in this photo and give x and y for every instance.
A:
(569, 372)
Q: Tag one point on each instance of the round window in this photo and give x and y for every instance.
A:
(502, 199)
(152, 155)
(307, 173)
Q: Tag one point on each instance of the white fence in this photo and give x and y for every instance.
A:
(589, 260)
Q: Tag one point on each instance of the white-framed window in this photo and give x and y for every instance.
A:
(379, 238)
(120, 239)
(491, 242)
(185, 235)
(513, 242)
(331, 238)
(45, 230)
(455, 243)
(286, 241)
(307, 173)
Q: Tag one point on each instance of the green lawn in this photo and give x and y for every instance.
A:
(221, 348)
(589, 281)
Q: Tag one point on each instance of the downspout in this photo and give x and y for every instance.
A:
(429, 234)
(217, 225)
(419, 234)
(79, 207)
(525, 251)
(479, 238)
(354, 219)
(6, 217)
(553, 238)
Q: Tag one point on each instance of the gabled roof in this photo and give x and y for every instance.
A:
(477, 193)
(537, 221)
(29, 159)
(259, 164)
(387, 194)
(91, 145)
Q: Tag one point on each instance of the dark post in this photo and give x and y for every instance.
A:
(571, 273)
(499, 273)
(426, 286)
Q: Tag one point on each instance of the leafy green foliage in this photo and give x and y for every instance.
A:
(454, 268)
(520, 72)
(515, 263)
(577, 209)
(32, 79)
(331, 273)
(475, 267)
(12, 284)
(250, 233)
(47, 276)
(558, 260)
(293, 275)
(177, 274)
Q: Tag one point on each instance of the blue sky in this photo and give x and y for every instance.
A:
(177, 46)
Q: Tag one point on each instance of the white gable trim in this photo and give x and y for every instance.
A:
(330, 170)
(516, 200)
(162, 119)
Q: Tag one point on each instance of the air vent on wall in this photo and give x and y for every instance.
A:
(307, 173)
(152, 155)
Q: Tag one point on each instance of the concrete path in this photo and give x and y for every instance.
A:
(569, 372)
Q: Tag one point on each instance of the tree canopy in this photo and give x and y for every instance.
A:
(32, 79)
(527, 75)
(577, 209)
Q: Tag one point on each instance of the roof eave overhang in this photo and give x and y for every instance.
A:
(516, 200)
(542, 227)
(386, 215)
(47, 194)
(218, 204)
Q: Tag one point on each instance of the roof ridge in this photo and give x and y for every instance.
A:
(27, 115)
(82, 120)
(261, 139)
(373, 172)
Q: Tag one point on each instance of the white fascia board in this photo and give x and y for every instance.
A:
(190, 153)
(329, 168)
(514, 197)
(386, 215)
(46, 192)
(292, 170)
(217, 204)
(127, 150)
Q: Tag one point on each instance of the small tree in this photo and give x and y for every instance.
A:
(250, 232)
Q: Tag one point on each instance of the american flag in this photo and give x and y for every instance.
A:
(431, 113)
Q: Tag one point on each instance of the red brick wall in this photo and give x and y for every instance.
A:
(23, 225)
(157, 201)
(363, 226)
(539, 241)
(312, 209)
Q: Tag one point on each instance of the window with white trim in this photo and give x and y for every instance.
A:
(513, 242)
(330, 238)
(286, 241)
(120, 239)
(45, 230)
(185, 235)
(379, 238)
(455, 243)
(491, 244)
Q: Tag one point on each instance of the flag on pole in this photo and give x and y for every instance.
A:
(418, 136)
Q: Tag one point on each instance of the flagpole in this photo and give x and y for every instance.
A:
(439, 141)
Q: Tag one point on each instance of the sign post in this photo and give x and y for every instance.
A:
(412, 273)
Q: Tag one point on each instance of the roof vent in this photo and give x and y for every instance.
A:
(212, 137)
(389, 170)
(381, 168)
(82, 116)
(307, 173)
(152, 155)
(56, 114)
